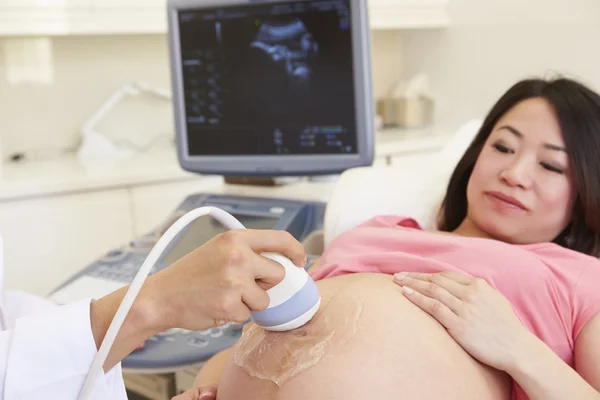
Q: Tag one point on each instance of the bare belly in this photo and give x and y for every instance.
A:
(367, 341)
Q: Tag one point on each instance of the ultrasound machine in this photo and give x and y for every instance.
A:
(261, 88)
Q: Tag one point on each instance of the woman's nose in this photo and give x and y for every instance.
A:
(518, 174)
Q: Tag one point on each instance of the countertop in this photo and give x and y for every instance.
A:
(66, 174)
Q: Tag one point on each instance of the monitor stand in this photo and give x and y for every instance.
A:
(261, 181)
(324, 178)
(276, 181)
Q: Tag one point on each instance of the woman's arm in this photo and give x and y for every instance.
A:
(543, 375)
(587, 352)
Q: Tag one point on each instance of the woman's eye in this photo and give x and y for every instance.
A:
(502, 149)
(552, 168)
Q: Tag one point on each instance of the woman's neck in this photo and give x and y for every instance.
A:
(469, 229)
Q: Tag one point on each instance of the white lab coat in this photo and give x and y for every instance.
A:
(46, 351)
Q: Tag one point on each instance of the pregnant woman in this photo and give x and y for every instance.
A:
(501, 302)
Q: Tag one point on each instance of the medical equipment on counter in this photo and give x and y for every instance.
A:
(176, 348)
(409, 105)
(293, 301)
(96, 146)
(270, 87)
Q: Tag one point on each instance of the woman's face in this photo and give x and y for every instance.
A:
(521, 189)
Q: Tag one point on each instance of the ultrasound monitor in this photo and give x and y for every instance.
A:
(271, 87)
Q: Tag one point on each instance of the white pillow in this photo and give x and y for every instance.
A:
(413, 187)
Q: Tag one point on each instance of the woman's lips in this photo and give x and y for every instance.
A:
(506, 201)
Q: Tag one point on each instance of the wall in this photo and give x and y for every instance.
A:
(491, 44)
(387, 61)
(89, 69)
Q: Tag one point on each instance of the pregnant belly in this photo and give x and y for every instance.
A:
(366, 341)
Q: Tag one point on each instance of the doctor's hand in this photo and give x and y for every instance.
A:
(223, 280)
(477, 316)
(219, 282)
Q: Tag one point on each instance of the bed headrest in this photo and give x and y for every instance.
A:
(413, 187)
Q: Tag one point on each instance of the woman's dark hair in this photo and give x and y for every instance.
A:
(578, 111)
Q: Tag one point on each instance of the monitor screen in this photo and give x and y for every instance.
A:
(266, 83)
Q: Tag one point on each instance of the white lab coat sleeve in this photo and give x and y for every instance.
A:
(47, 356)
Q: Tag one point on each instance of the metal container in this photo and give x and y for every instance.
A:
(406, 112)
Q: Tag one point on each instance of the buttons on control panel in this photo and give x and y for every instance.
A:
(215, 333)
(198, 338)
(198, 342)
(277, 210)
(169, 332)
(114, 256)
(237, 326)
(144, 243)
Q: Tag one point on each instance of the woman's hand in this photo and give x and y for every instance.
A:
(477, 316)
(199, 393)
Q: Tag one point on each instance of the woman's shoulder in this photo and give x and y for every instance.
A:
(375, 230)
(578, 274)
(557, 253)
(569, 265)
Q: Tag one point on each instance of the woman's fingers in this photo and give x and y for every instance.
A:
(455, 283)
(191, 394)
(208, 396)
(433, 291)
(457, 277)
(434, 307)
(207, 393)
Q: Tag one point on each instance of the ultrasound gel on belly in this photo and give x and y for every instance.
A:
(279, 356)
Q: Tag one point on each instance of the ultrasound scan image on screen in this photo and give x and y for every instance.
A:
(268, 79)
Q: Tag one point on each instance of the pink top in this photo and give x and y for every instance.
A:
(553, 290)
